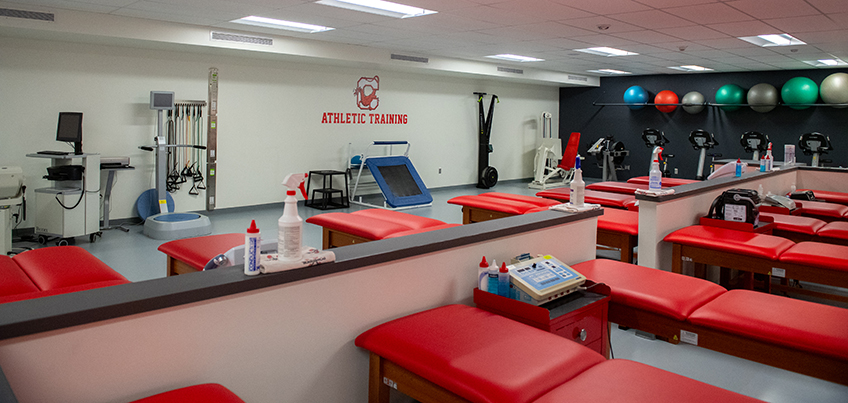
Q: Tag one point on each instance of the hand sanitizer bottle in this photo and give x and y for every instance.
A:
(252, 241)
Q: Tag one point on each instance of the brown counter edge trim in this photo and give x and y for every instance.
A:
(693, 189)
(61, 311)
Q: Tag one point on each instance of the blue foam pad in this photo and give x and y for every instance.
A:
(147, 203)
(399, 181)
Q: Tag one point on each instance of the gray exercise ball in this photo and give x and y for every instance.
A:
(834, 89)
(693, 97)
(765, 95)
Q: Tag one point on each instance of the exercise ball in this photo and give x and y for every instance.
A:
(764, 96)
(730, 94)
(834, 89)
(666, 97)
(696, 99)
(636, 95)
(799, 90)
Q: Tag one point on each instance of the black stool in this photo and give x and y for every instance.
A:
(327, 191)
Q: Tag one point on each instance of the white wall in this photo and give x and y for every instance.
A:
(269, 116)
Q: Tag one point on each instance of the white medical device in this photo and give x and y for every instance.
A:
(543, 279)
(11, 194)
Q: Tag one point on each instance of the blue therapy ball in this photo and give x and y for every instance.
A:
(636, 95)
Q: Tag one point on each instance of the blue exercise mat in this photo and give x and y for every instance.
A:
(147, 203)
(399, 181)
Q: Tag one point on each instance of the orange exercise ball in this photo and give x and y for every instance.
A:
(666, 97)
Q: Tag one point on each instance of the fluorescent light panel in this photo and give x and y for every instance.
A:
(281, 24)
(826, 62)
(691, 67)
(609, 71)
(516, 58)
(605, 51)
(380, 7)
(773, 40)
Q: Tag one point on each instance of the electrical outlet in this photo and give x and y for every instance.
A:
(440, 170)
(675, 171)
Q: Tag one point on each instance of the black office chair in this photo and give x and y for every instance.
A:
(754, 142)
(815, 144)
(702, 140)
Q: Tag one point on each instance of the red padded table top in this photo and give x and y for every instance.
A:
(605, 199)
(666, 182)
(669, 294)
(817, 254)
(420, 230)
(794, 223)
(411, 221)
(728, 240)
(629, 381)
(491, 203)
(804, 325)
(828, 196)
(535, 201)
(58, 267)
(617, 187)
(619, 221)
(475, 354)
(205, 393)
(823, 209)
(359, 225)
(13, 280)
(836, 229)
(196, 252)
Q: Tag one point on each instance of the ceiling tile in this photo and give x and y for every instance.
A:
(745, 28)
(605, 40)
(803, 24)
(674, 3)
(692, 33)
(542, 9)
(726, 43)
(606, 6)
(828, 6)
(774, 8)
(595, 24)
(652, 19)
(493, 15)
(713, 13)
(648, 37)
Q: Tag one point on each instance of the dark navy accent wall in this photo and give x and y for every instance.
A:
(783, 124)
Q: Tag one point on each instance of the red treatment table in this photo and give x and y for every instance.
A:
(493, 205)
(342, 229)
(606, 199)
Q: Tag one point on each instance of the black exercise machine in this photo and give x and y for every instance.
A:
(815, 144)
(702, 140)
(487, 176)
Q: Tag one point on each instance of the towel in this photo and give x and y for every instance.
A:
(570, 208)
(270, 263)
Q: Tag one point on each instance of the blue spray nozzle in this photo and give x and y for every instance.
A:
(577, 162)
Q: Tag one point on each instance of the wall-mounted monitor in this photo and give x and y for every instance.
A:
(161, 100)
(70, 129)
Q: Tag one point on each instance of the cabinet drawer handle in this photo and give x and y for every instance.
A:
(581, 334)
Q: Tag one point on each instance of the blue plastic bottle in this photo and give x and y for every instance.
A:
(503, 281)
(738, 167)
(493, 278)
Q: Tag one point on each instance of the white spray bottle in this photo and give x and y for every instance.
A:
(290, 225)
(769, 159)
(655, 176)
(577, 190)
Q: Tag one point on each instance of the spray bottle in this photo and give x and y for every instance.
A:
(769, 159)
(738, 167)
(578, 187)
(492, 278)
(483, 275)
(503, 281)
(655, 175)
(252, 242)
(290, 225)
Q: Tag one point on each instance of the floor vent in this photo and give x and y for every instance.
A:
(510, 70)
(256, 40)
(29, 15)
(416, 59)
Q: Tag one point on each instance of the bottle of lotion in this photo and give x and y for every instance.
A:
(252, 241)
(483, 275)
(290, 225)
(503, 281)
(577, 190)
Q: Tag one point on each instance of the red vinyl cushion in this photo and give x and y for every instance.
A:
(57, 291)
(828, 196)
(480, 356)
(665, 293)
(205, 393)
(605, 199)
(359, 225)
(420, 230)
(408, 220)
(823, 209)
(494, 204)
(794, 223)
(802, 325)
(728, 240)
(536, 201)
(58, 267)
(198, 251)
(836, 229)
(666, 182)
(629, 381)
(617, 187)
(817, 254)
(13, 280)
(615, 220)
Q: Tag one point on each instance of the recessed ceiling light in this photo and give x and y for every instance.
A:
(609, 71)
(516, 58)
(281, 24)
(691, 67)
(773, 40)
(605, 51)
(826, 62)
(380, 7)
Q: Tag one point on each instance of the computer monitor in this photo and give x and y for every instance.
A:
(70, 129)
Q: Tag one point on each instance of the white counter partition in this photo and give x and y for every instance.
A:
(659, 216)
(289, 342)
(823, 179)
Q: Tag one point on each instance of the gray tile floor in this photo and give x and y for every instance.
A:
(135, 256)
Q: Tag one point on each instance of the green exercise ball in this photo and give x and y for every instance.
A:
(730, 94)
(764, 96)
(799, 90)
(834, 89)
(696, 99)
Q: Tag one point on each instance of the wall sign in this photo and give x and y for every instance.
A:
(365, 96)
